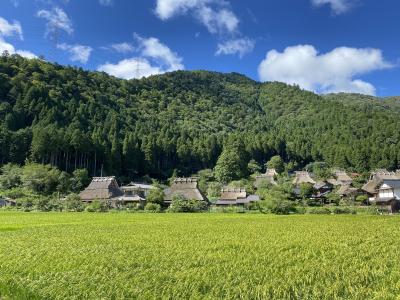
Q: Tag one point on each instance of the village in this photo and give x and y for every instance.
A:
(381, 190)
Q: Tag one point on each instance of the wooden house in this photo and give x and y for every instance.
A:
(185, 187)
(267, 178)
(376, 179)
(302, 177)
(321, 189)
(347, 191)
(102, 189)
(340, 178)
(388, 195)
(235, 197)
(135, 193)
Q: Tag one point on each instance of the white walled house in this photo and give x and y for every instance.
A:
(389, 194)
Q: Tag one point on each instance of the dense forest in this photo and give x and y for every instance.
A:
(74, 119)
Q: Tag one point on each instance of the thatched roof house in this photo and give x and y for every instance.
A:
(348, 191)
(101, 188)
(235, 196)
(377, 177)
(388, 195)
(186, 187)
(340, 178)
(268, 177)
(302, 177)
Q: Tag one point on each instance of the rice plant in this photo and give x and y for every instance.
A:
(204, 256)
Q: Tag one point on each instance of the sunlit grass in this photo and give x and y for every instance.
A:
(175, 256)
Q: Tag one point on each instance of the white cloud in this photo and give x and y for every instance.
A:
(153, 48)
(214, 14)
(106, 2)
(153, 58)
(123, 47)
(324, 73)
(77, 52)
(131, 68)
(240, 46)
(8, 29)
(57, 19)
(338, 6)
(4, 46)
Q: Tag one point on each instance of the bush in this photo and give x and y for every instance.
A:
(344, 211)
(152, 207)
(98, 206)
(182, 205)
(278, 206)
(319, 211)
(73, 203)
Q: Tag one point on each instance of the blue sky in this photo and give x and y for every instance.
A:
(321, 45)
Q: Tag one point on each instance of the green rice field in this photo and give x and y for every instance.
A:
(198, 256)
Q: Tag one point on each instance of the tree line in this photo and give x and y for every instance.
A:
(183, 122)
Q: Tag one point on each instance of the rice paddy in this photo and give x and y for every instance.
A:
(198, 256)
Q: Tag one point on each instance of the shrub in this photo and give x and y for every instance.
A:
(344, 210)
(278, 206)
(319, 211)
(183, 205)
(152, 207)
(98, 206)
(73, 203)
(156, 196)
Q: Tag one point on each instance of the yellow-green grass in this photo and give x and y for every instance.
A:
(182, 256)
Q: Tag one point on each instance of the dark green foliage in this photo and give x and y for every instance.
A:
(276, 163)
(74, 119)
(180, 204)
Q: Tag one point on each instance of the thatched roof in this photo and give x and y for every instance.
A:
(303, 177)
(186, 187)
(101, 188)
(322, 185)
(268, 177)
(342, 176)
(347, 190)
(236, 197)
(233, 194)
(377, 178)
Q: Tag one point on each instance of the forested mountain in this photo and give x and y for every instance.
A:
(73, 118)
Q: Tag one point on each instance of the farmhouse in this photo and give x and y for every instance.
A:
(185, 187)
(340, 178)
(302, 177)
(388, 195)
(235, 196)
(346, 191)
(102, 189)
(135, 193)
(375, 181)
(267, 178)
(321, 189)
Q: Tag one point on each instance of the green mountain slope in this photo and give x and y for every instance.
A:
(73, 118)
